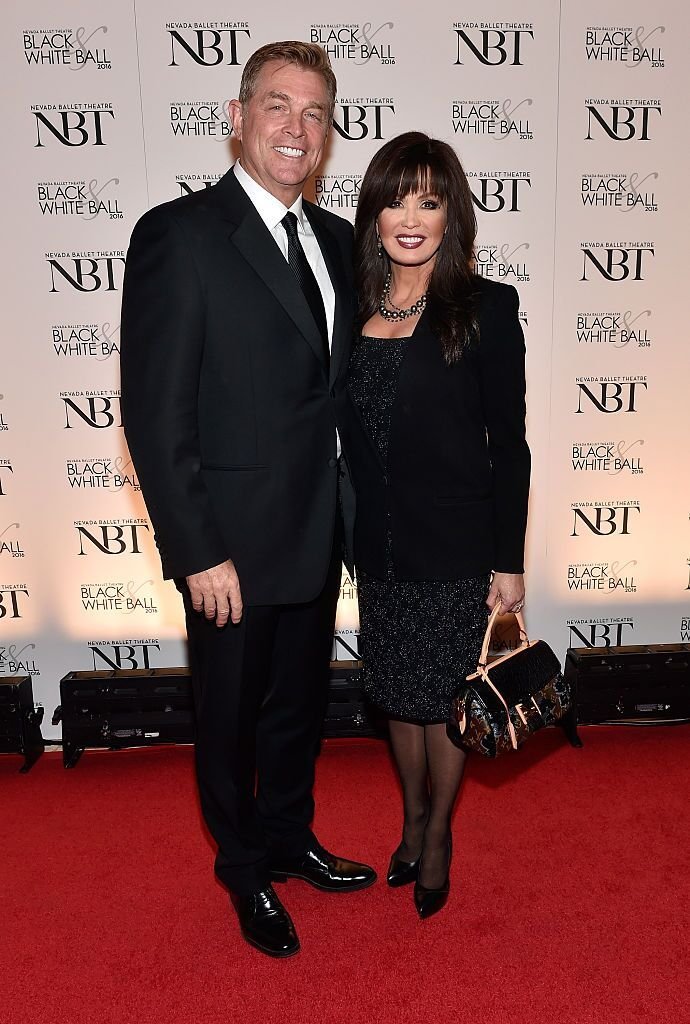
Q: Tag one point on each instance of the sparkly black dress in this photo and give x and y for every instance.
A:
(418, 639)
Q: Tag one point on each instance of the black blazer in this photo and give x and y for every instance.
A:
(456, 485)
(227, 405)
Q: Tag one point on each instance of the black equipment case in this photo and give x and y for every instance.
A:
(120, 708)
(20, 720)
(638, 684)
(348, 713)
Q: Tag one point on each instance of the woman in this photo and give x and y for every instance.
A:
(433, 426)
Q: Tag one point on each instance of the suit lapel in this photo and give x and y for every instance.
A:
(254, 241)
(343, 300)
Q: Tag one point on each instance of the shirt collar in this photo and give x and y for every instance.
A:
(270, 209)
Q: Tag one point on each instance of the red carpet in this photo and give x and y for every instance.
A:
(580, 913)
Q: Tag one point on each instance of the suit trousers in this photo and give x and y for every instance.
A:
(260, 690)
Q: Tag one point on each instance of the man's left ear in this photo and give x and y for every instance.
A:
(235, 110)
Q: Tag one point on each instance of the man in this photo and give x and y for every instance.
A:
(236, 321)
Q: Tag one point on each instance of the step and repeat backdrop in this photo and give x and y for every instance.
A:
(571, 125)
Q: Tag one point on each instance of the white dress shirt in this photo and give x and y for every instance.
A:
(272, 211)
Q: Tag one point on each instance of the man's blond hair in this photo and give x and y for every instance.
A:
(291, 51)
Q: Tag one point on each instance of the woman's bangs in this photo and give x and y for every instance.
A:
(420, 177)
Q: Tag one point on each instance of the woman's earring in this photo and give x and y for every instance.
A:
(379, 247)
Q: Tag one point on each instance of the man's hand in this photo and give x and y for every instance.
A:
(509, 589)
(216, 593)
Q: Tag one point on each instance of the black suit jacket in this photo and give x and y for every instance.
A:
(228, 407)
(456, 483)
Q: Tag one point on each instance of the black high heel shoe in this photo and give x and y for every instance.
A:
(402, 872)
(430, 901)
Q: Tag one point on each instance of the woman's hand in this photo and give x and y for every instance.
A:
(509, 589)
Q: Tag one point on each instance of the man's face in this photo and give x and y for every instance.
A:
(283, 128)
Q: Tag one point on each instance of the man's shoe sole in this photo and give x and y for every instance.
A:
(283, 876)
(270, 952)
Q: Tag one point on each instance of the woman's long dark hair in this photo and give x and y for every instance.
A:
(410, 163)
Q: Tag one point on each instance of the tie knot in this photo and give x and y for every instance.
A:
(289, 222)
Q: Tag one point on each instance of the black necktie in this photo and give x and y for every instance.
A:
(305, 275)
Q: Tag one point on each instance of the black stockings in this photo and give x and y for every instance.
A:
(431, 769)
(409, 750)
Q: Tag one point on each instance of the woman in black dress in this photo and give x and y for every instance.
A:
(433, 428)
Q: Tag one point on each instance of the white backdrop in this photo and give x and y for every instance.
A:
(570, 125)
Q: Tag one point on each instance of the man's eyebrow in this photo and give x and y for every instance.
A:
(288, 99)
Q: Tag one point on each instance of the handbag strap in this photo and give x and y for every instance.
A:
(481, 667)
(496, 611)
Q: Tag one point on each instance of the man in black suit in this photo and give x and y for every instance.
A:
(236, 322)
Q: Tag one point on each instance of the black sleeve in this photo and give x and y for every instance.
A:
(162, 334)
(502, 382)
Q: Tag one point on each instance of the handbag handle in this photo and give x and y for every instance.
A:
(490, 625)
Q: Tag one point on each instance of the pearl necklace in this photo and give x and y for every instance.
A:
(396, 314)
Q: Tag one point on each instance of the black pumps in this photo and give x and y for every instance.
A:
(430, 901)
(402, 872)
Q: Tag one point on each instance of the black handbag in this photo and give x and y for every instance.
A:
(505, 701)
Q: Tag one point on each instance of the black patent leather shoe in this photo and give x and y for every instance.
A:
(323, 870)
(430, 901)
(265, 923)
(402, 872)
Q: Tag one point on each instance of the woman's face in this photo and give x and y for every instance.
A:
(411, 228)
